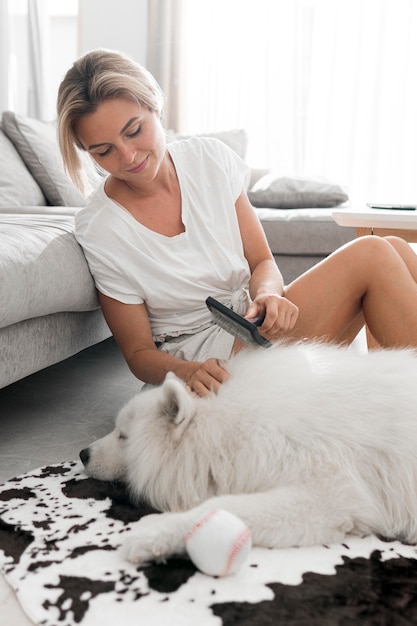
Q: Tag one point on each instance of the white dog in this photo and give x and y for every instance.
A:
(305, 443)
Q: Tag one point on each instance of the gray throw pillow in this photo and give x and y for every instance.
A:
(37, 144)
(17, 187)
(282, 192)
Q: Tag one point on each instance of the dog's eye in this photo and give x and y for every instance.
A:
(122, 436)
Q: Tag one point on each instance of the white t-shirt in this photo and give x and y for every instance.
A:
(173, 275)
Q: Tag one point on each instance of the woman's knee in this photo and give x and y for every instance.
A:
(398, 243)
(370, 258)
(406, 252)
(371, 248)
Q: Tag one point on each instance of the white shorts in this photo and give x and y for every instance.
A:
(212, 342)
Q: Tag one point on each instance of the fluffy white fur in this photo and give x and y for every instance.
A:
(305, 443)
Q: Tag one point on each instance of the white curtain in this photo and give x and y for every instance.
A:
(38, 59)
(4, 57)
(323, 87)
(24, 56)
(163, 52)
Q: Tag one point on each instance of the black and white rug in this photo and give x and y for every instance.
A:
(59, 537)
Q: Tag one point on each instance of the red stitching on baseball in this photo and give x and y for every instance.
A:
(201, 522)
(237, 546)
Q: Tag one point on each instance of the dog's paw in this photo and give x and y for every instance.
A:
(155, 538)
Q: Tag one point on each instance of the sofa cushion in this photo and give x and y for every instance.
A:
(42, 268)
(285, 192)
(17, 186)
(37, 144)
(307, 232)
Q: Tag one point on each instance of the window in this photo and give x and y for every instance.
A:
(323, 87)
(39, 42)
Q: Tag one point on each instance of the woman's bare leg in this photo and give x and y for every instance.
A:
(369, 279)
(410, 259)
(406, 253)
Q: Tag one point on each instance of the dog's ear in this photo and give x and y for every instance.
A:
(176, 403)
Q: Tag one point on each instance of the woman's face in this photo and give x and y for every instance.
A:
(125, 139)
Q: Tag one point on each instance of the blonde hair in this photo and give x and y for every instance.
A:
(97, 76)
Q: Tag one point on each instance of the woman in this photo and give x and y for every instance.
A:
(172, 225)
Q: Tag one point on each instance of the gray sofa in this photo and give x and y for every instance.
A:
(48, 307)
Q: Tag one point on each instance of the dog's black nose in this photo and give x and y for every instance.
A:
(85, 455)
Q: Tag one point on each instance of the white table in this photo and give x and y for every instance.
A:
(380, 222)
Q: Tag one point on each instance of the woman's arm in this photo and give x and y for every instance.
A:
(266, 285)
(131, 329)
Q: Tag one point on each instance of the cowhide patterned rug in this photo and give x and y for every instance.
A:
(59, 538)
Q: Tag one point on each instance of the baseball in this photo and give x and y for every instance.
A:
(218, 543)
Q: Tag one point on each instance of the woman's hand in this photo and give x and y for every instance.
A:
(280, 315)
(207, 377)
